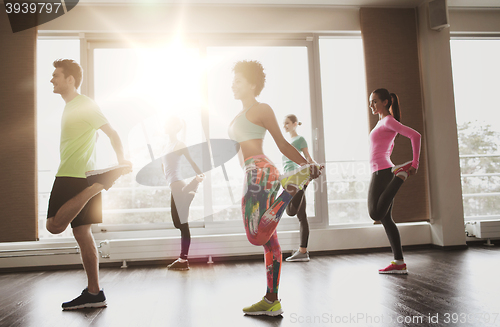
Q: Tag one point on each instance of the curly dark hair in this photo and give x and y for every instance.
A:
(253, 72)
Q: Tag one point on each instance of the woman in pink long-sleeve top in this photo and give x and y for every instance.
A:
(387, 178)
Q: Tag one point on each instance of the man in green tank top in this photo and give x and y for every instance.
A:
(75, 199)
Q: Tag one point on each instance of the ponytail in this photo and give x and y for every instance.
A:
(394, 109)
(392, 102)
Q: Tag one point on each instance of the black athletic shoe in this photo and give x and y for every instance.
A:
(177, 265)
(86, 300)
(106, 177)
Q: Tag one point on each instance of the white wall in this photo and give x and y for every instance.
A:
(475, 21)
(205, 19)
(447, 223)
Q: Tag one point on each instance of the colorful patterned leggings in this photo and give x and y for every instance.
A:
(262, 212)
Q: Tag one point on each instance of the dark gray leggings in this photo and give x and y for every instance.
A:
(184, 193)
(184, 228)
(383, 188)
(297, 206)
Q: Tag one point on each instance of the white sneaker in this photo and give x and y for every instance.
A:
(107, 176)
(298, 256)
(402, 170)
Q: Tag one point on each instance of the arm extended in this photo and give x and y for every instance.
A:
(116, 143)
(410, 133)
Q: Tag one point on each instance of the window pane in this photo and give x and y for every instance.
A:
(138, 90)
(286, 91)
(345, 120)
(475, 79)
(49, 111)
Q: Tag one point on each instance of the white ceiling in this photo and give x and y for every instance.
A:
(350, 3)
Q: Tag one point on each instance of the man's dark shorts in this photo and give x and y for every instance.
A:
(64, 189)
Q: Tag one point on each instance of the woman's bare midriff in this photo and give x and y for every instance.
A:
(251, 148)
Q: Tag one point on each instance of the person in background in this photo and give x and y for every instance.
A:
(182, 194)
(298, 204)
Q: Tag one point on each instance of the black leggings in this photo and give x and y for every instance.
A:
(297, 206)
(383, 188)
(184, 228)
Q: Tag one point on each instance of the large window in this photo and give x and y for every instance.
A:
(475, 78)
(345, 119)
(140, 85)
(138, 89)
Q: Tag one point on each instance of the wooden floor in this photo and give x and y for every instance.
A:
(458, 288)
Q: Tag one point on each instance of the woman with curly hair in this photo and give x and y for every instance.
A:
(261, 207)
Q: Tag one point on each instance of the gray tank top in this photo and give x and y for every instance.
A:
(171, 164)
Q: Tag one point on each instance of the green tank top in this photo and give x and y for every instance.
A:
(298, 143)
(241, 129)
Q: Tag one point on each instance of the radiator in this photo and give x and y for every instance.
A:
(485, 229)
(61, 252)
(202, 246)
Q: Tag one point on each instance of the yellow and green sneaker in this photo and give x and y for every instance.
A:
(264, 308)
(297, 177)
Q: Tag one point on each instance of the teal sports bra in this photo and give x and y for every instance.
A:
(241, 129)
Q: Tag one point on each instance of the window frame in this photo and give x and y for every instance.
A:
(91, 41)
(327, 224)
(475, 36)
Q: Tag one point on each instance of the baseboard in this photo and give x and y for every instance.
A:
(482, 242)
(372, 250)
(450, 247)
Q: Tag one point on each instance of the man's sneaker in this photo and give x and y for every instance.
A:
(297, 177)
(402, 170)
(86, 300)
(107, 176)
(264, 308)
(298, 256)
(393, 268)
(178, 265)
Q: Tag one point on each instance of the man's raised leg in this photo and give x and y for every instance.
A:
(71, 209)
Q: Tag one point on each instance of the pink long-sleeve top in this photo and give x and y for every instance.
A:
(382, 142)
